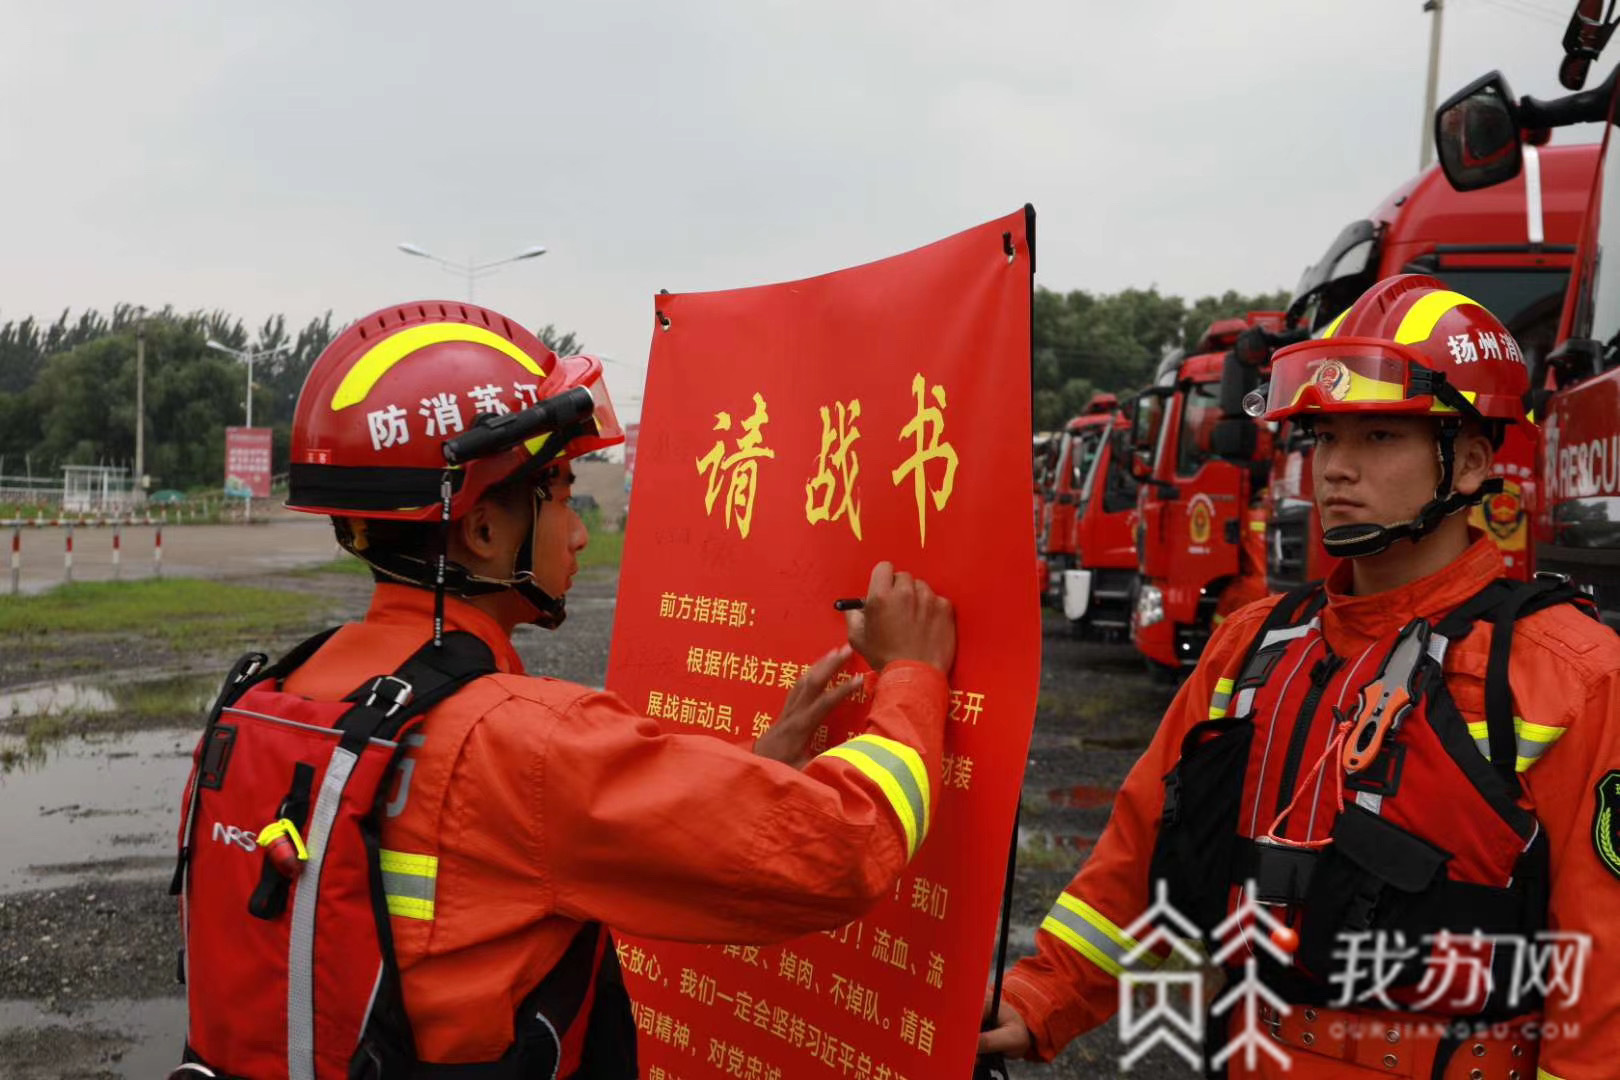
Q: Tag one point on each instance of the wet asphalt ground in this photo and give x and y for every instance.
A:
(87, 931)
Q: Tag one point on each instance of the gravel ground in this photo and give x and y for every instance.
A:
(87, 970)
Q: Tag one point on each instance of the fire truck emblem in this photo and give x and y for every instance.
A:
(1606, 824)
(1200, 519)
(1504, 511)
(1333, 380)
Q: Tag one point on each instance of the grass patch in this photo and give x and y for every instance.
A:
(605, 549)
(185, 612)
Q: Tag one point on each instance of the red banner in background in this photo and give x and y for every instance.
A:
(632, 434)
(247, 462)
(794, 435)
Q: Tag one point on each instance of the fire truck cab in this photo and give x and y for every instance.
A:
(1194, 506)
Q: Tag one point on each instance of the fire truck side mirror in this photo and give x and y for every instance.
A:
(1476, 133)
(1235, 438)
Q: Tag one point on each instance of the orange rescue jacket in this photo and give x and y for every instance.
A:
(1564, 675)
(530, 805)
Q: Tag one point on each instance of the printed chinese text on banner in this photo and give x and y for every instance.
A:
(247, 462)
(793, 435)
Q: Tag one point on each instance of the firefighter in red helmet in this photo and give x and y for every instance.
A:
(528, 813)
(1416, 750)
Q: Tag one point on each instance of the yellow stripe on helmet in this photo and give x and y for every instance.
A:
(1419, 320)
(1333, 327)
(381, 357)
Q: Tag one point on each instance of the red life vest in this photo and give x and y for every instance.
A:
(284, 889)
(1427, 837)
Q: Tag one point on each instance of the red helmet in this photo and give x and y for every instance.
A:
(1408, 345)
(381, 401)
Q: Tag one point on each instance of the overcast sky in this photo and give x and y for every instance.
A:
(267, 157)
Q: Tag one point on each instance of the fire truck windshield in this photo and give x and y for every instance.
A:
(1345, 271)
(1199, 413)
(1598, 315)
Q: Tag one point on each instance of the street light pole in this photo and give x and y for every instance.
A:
(140, 405)
(1426, 147)
(472, 270)
(249, 355)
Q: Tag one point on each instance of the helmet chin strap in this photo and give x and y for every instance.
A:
(447, 577)
(1356, 541)
(550, 611)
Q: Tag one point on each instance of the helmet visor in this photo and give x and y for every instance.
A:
(1341, 376)
(586, 371)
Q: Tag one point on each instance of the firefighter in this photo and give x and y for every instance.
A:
(1480, 794)
(548, 805)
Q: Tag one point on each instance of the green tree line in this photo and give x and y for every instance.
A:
(67, 389)
(1087, 342)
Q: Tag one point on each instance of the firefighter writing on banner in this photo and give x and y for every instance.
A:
(1407, 775)
(523, 814)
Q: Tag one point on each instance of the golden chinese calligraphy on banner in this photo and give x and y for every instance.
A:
(790, 439)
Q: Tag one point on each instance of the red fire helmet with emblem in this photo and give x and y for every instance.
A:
(381, 401)
(1408, 345)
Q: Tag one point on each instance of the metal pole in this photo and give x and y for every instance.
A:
(1426, 145)
(16, 559)
(250, 357)
(118, 543)
(157, 553)
(67, 557)
(140, 406)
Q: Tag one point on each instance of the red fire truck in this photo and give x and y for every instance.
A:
(1197, 500)
(1098, 590)
(1511, 247)
(1071, 459)
(1488, 142)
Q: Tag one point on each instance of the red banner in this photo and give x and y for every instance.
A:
(795, 435)
(247, 462)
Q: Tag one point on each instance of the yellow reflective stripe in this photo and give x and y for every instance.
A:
(1333, 327)
(898, 772)
(1221, 699)
(1421, 317)
(1536, 733)
(1543, 1074)
(1532, 740)
(1257, 525)
(408, 883)
(1088, 932)
(381, 357)
(400, 862)
(410, 907)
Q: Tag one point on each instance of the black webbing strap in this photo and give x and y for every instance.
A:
(1502, 603)
(386, 703)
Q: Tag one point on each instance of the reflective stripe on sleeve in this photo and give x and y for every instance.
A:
(1088, 932)
(1533, 740)
(1543, 1074)
(1221, 699)
(408, 883)
(898, 772)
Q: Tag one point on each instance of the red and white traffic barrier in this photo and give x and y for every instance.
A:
(157, 553)
(67, 558)
(118, 545)
(16, 559)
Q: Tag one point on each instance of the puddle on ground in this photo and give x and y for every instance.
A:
(174, 695)
(1082, 796)
(134, 1040)
(104, 804)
